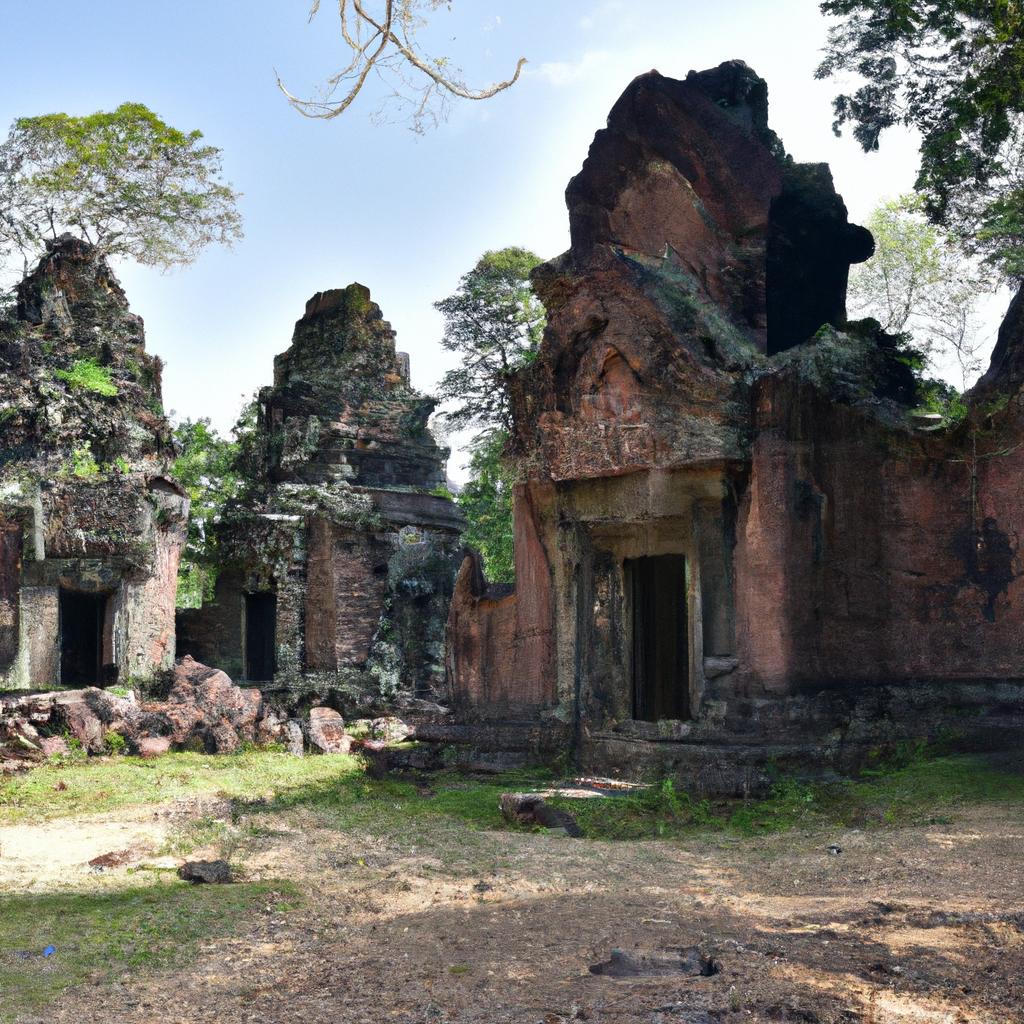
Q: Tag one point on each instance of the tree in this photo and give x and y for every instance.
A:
(918, 284)
(486, 502)
(381, 38)
(208, 468)
(125, 181)
(954, 71)
(495, 322)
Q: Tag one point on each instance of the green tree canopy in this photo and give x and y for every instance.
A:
(125, 181)
(495, 322)
(954, 71)
(918, 284)
(486, 502)
(208, 467)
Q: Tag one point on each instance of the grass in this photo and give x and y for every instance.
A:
(62, 789)
(89, 375)
(919, 789)
(99, 936)
(924, 790)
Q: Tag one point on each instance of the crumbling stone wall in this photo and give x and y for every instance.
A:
(851, 576)
(86, 504)
(346, 522)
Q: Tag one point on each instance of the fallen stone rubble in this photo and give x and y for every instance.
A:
(203, 711)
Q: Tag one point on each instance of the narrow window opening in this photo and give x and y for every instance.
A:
(260, 637)
(81, 638)
(661, 675)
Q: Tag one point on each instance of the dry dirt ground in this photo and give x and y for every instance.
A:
(919, 924)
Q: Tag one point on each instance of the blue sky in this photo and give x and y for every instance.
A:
(327, 203)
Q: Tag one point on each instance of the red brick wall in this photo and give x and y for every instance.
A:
(865, 553)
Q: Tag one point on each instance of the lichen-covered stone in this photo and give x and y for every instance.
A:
(339, 524)
(86, 503)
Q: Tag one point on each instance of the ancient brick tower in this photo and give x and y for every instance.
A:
(735, 542)
(339, 563)
(91, 527)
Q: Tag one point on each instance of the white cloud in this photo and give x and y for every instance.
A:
(562, 73)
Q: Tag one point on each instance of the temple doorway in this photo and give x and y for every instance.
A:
(660, 651)
(81, 638)
(260, 637)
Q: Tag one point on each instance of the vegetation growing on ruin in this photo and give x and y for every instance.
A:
(89, 375)
(82, 464)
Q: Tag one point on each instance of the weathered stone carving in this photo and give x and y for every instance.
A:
(91, 527)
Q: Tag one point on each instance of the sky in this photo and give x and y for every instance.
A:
(326, 203)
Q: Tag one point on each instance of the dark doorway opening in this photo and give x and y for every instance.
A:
(81, 638)
(661, 675)
(260, 637)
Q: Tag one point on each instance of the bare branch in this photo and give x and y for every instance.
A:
(387, 44)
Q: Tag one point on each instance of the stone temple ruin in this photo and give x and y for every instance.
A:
(91, 524)
(735, 541)
(339, 563)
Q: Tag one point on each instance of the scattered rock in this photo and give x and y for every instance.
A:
(531, 809)
(689, 962)
(54, 746)
(294, 738)
(327, 731)
(271, 728)
(211, 872)
(224, 738)
(77, 712)
(203, 707)
(390, 729)
(153, 746)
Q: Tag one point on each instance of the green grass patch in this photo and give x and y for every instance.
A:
(383, 807)
(60, 789)
(660, 811)
(920, 791)
(99, 936)
(917, 790)
(89, 375)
